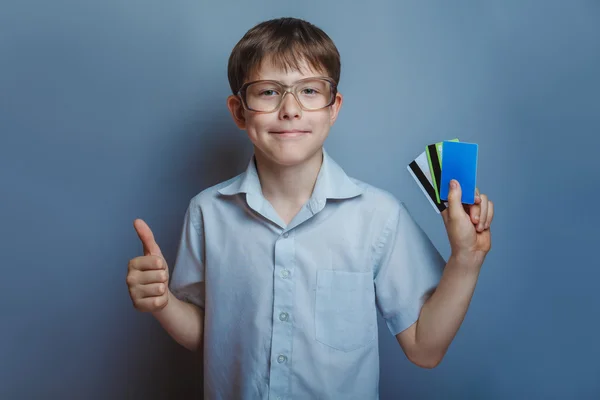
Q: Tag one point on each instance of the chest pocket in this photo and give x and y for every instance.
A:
(345, 313)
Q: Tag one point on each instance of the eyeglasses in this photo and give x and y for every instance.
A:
(267, 95)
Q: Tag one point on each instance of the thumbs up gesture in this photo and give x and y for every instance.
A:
(148, 275)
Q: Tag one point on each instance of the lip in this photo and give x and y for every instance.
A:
(290, 132)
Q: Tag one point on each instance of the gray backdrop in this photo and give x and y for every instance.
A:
(112, 110)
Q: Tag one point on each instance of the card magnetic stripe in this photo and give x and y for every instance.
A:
(436, 172)
(425, 183)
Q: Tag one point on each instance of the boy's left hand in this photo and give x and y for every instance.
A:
(468, 226)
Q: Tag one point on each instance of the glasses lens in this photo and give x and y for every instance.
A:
(313, 94)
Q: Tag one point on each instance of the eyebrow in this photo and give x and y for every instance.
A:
(291, 82)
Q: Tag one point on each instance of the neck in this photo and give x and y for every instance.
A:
(288, 184)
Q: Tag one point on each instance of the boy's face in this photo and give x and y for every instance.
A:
(270, 132)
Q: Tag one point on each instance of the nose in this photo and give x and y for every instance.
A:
(290, 108)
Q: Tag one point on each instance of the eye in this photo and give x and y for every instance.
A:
(309, 91)
(268, 92)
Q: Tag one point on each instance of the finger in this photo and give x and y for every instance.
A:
(146, 263)
(138, 278)
(151, 290)
(475, 213)
(483, 214)
(147, 237)
(490, 214)
(455, 205)
(148, 277)
(467, 208)
(151, 303)
(477, 196)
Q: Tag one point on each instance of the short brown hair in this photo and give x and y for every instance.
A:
(286, 42)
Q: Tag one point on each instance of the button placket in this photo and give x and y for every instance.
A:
(282, 329)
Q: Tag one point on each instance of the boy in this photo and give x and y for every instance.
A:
(281, 270)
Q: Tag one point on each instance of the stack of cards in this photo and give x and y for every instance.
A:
(441, 162)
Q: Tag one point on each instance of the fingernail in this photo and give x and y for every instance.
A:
(453, 184)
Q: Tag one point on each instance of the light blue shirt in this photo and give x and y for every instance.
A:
(291, 310)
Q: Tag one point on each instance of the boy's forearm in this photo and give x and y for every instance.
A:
(443, 313)
(183, 321)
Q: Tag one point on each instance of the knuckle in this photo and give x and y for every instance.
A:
(133, 293)
(157, 302)
(163, 276)
(137, 305)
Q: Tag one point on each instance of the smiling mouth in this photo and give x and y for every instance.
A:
(290, 133)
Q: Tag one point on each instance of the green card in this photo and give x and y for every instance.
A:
(434, 158)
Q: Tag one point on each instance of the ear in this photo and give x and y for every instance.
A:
(234, 104)
(335, 108)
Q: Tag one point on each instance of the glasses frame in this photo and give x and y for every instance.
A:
(288, 89)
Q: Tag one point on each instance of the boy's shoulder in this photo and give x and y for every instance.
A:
(378, 199)
(208, 196)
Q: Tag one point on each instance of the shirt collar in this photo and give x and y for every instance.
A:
(332, 182)
(247, 182)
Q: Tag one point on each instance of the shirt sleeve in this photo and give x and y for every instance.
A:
(408, 268)
(187, 279)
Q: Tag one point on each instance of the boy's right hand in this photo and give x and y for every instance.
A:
(148, 275)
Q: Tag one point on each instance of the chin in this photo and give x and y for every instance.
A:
(292, 155)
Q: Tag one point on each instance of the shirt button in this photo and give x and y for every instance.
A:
(283, 316)
(285, 273)
(281, 359)
(285, 235)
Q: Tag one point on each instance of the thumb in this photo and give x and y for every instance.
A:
(455, 200)
(147, 238)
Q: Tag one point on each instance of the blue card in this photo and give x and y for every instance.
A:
(460, 163)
